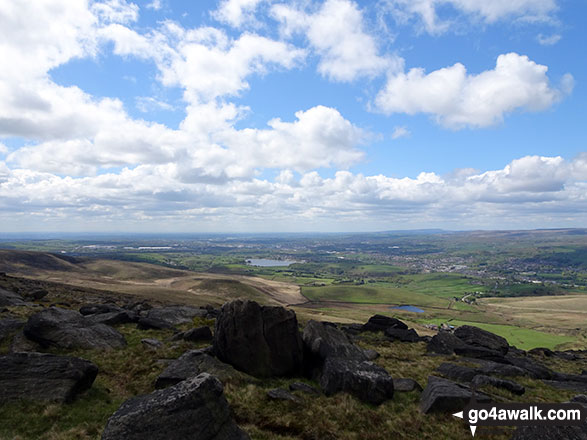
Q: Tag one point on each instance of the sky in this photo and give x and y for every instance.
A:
(292, 115)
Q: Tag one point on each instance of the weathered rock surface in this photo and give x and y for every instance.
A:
(38, 376)
(324, 341)
(174, 315)
(580, 387)
(444, 343)
(569, 377)
(145, 323)
(402, 335)
(260, 340)
(378, 323)
(481, 353)
(69, 329)
(406, 385)
(21, 343)
(481, 338)
(9, 326)
(195, 362)
(96, 309)
(513, 387)
(198, 334)
(8, 298)
(442, 395)
(193, 409)
(460, 373)
(113, 318)
(496, 369)
(363, 379)
(533, 368)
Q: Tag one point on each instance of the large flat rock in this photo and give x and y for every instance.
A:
(47, 377)
(69, 329)
(193, 409)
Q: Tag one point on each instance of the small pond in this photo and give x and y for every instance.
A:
(261, 262)
(409, 309)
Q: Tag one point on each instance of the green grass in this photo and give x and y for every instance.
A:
(523, 338)
(372, 295)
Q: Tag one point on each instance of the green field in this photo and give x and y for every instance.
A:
(373, 295)
(523, 338)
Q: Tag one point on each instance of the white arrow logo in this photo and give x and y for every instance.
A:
(473, 427)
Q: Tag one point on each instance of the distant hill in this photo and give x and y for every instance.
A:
(28, 262)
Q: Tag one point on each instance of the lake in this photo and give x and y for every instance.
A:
(262, 262)
(409, 309)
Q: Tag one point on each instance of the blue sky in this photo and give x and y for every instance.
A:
(274, 115)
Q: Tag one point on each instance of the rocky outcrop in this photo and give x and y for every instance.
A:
(193, 409)
(174, 315)
(263, 341)
(10, 299)
(46, 377)
(363, 379)
(533, 368)
(442, 395)
(195, 362)
(9, 326)
(145, 323)
(444, 343)
(197, 334)
(97, 309)
(323, 341)
(69, 329)
(481, 338)
(509, 385)
(580, 387)
(113, 318)
(340, 365)
(457, 372)
(402, 335)
(379, 323)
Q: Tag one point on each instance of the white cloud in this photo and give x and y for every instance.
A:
(207, 64)
(400, 132)
(37, 36)
(522, 194)
(427, 11)
(155, 5)
(337, 33)
(115, 11)
(3, 148)
(237, 12)
(457, 99)
(548, 40)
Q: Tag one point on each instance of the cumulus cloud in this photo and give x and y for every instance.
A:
(337, 33)
(427, 11)
(237, 12)
(457, 99)
(209, 65)
(522, 194)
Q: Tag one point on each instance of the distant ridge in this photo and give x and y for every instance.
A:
(29, 261)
